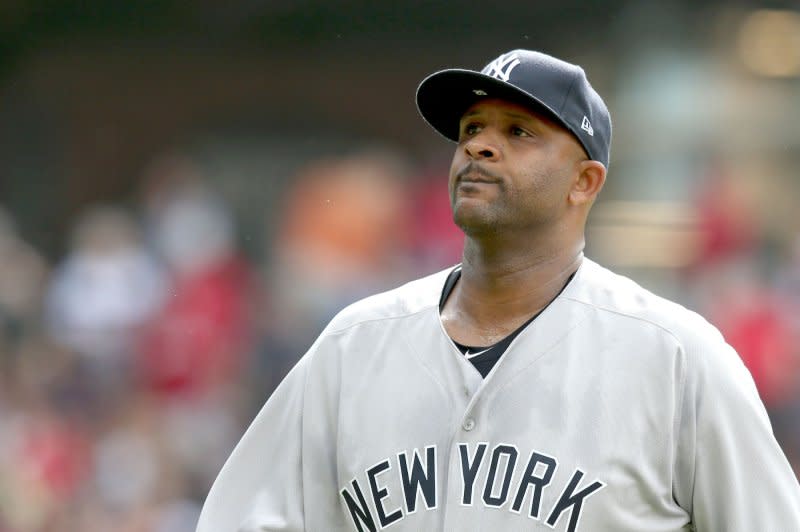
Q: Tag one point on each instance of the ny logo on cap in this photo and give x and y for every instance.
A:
(501, 67)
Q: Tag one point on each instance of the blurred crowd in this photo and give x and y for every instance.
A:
(132, 364)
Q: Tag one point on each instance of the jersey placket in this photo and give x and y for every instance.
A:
(479, 469)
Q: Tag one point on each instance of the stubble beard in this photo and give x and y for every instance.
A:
(481, 220)
(478, 218)
(503, 214)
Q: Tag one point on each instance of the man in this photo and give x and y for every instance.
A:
(526, 389)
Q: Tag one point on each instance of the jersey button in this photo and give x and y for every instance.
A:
(468, 424)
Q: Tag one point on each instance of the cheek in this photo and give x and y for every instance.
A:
(459, 161)
(542, 186)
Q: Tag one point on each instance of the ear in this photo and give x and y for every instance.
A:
(591, 177)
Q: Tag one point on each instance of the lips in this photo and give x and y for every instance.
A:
(473, 173)
(477, 179)
(476, 186)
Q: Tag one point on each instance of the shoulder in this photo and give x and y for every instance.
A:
(412, 298)
(700, 352)
(624, 302)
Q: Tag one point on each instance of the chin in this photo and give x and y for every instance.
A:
(474, 221)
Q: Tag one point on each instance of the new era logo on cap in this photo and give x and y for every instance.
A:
(587, 126)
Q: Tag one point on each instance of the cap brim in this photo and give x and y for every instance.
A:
(444, 97)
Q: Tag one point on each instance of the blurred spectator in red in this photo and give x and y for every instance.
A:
(753, 320)
(727, 218)
(45, 469)
(198, 340)
(45, 448)
(729, 283)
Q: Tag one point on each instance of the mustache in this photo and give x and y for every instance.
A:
(474, 170)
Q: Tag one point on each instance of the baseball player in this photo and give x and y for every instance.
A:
(527, 388)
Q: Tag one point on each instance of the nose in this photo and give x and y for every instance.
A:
(479, 147)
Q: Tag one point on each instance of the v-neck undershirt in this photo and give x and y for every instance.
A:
(484, 358)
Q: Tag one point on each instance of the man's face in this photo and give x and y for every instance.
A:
(513, 169)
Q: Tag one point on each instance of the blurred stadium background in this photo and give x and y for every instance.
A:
(190, 190)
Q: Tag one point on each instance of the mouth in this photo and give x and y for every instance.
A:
(476, 185)
(472, 180)
(474, 174)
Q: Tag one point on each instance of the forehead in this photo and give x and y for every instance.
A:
(511, 110)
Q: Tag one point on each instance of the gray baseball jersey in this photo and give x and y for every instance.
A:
(614, 411)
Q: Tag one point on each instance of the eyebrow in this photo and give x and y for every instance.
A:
(508, 114)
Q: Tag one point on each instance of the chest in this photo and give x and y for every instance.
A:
(566, 427)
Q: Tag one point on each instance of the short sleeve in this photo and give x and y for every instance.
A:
(731, 474)
(260, 487)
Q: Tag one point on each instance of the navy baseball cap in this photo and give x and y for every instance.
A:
(533, 79)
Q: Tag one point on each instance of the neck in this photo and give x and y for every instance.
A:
(504, 283)
(502, 286)
(514, 280)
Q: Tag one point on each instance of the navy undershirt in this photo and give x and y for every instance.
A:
(487, 356)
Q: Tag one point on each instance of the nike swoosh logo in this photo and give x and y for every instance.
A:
(473, 355)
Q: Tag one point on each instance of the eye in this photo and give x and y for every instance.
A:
(519, 132)
(469, 129)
